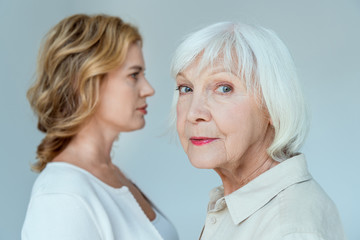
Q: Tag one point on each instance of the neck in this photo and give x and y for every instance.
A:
(252, 164)
(235, 179)
(90, 147)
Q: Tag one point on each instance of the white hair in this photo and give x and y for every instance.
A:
(265, 65)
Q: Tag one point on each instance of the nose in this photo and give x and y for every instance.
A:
(198, 109)
(147, 90)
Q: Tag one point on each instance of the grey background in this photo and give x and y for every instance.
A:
(323, 37)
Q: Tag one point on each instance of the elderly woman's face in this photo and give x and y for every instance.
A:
(218, 122)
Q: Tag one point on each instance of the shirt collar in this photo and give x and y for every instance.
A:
(248, 199)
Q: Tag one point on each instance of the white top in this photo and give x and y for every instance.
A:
(69, 203)
(284, 203)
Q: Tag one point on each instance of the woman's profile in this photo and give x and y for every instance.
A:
(90, 86)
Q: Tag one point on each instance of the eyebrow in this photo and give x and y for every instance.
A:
(222, 70)
(214, 71)
(137, 67)
(180, 74)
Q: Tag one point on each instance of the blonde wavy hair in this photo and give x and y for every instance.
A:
(75, 56)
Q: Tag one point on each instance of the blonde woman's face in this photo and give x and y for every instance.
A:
(218, 122)
(123, 92)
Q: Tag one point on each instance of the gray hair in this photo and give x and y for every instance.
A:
(265, 66)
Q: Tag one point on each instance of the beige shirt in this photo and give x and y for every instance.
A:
(284, 203)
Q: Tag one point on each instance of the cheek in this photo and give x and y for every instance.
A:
(181, 113)
(234, 121)
(226, 115)
(180, 119)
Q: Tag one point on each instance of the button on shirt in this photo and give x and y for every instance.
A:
(283, 203)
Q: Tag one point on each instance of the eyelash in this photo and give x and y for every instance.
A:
(225, 85)
(179, 88)
(135, 75)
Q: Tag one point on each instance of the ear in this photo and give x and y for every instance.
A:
(267, 115)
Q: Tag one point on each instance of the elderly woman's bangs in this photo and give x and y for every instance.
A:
(218, 45)
(233, 54)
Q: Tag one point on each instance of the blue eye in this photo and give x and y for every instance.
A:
(224, 89)
(184, 89)
(135, 75)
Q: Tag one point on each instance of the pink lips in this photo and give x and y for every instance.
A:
(199, 141)
(143, 109)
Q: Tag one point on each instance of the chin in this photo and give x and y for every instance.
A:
(202, 163)
(142, 125)
(134, 127)
(204, 157)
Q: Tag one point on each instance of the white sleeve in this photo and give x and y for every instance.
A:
(58, 216)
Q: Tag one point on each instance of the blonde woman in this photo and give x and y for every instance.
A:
(90, 87)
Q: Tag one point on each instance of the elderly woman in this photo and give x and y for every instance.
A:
(90, 87)
(241, 112)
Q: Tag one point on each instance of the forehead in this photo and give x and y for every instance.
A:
(199, 68)
(134, 55)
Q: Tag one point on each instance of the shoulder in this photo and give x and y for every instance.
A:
(305, 209)
(63, 178)
(59, 216)
(307, 195)
(59, 207)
